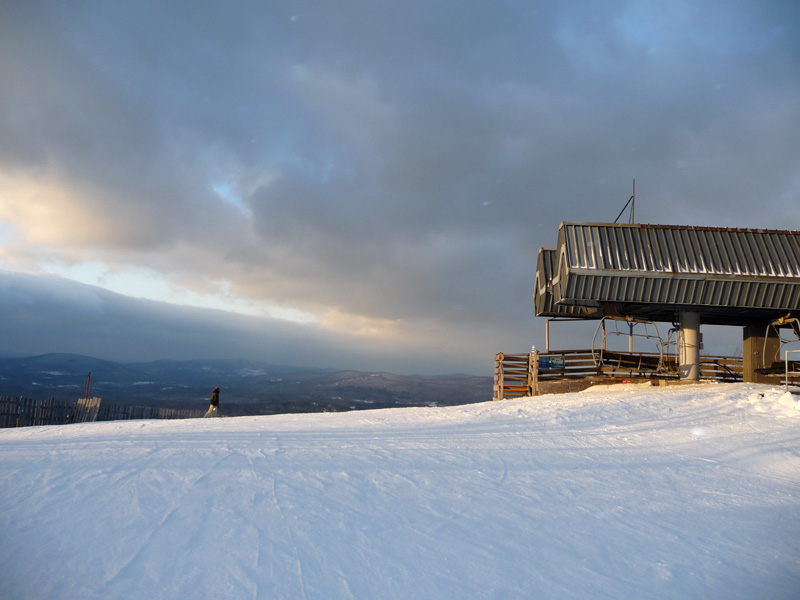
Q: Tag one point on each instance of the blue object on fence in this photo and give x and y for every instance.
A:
(551, 363)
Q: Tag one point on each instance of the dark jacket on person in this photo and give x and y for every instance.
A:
(215, 397)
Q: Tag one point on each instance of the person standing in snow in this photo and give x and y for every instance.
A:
(214, 408)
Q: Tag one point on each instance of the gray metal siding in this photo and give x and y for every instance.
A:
(590, 290)
(542, 299)
(751, 294)
(543, 296)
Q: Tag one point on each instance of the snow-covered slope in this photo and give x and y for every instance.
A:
(632, 492)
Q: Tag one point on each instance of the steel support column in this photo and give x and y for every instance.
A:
(689, 351)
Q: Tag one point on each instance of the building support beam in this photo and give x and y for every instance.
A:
(689, 350)
(761, 348)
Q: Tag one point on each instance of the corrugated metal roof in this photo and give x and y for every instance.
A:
(742, 275)
(684, 250)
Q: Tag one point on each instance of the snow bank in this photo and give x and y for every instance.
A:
(638, 492)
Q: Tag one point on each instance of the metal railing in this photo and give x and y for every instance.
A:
(518, 375)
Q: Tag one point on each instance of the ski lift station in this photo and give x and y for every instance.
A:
(632, 276)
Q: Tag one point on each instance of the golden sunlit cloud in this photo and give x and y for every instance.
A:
(50, 213)
(141, 282)
(359, 324)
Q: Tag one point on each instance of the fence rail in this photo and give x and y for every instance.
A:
(120, 412)
(517, 375)
(792, 368)
(26, 412)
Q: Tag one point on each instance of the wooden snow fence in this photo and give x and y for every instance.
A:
(534, 373)
(26, 412)
(86, 410)
(121, 412)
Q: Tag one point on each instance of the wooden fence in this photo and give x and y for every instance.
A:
(518, 375)
(22, 412)
(121, 412)
(25, 412)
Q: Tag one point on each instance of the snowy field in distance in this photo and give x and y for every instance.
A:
(633, 492)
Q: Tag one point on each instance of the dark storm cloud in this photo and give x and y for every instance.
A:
(394, 162)
(43, 314)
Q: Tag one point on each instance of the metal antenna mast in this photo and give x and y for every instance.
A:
(632, 202)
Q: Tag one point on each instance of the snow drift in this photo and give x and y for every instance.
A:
(623, 492)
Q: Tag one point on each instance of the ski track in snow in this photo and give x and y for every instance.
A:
(624, 492)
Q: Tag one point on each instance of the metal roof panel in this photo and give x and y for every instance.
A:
(680, 249)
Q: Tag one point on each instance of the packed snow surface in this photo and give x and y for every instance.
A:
(625, 492)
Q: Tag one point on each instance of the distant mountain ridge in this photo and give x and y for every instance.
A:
(247, 387)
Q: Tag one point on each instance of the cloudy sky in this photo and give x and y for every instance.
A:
(363, 183)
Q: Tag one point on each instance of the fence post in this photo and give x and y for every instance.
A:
(498, 376)
(788, 372)
(533, 373)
